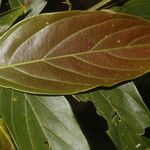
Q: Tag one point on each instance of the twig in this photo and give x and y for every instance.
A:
(99, 5)
(68, 3)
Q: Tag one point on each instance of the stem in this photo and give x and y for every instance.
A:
(68, 3)
(99, 5)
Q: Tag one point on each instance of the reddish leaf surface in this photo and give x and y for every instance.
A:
(70, 52)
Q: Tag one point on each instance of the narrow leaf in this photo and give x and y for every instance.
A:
(34, 6)
(7, 19)
(70, 52)
(40, 123)
(15, 3)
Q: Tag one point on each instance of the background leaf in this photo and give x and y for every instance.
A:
(37, 6)
(34, 6)
(42, 123)
(7, 19)
(81, 54)
(126, 103)
(136, 7)
(15, 3)
(5, 140)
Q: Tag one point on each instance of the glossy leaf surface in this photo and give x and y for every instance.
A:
(126, 103)
(5, 140)
(40, 123)
(65, 53)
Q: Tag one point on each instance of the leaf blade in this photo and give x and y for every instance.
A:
(34, 6)
(7, 19)
(15, 3)
(89, 64)
(123, 100)
(126, 114)
(38, 122)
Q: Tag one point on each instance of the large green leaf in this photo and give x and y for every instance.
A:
(40, 123)
(8, 18)
(125, 102)
(5, 140)
(65, 53)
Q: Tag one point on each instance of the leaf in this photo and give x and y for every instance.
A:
(126, 139)
(7, 19)
(41, 123)
(126, 103)
(70, 52)
(5, 140)
(37, 6)
(15, 3)
(136, 7)
(34, 6)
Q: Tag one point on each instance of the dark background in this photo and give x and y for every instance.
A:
(92, 125)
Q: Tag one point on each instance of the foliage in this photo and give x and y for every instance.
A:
(136, 7)
(42, 123)
(43, 55)
(116, 106)
(7, 19)
(82, 64)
